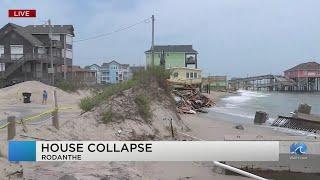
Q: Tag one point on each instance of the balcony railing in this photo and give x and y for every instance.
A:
(29, 57)
(191, 61)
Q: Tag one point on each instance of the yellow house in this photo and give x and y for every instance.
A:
(185, 75)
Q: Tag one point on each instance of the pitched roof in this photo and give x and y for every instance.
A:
(306, 66)
(89, 66)
(44, 29)
(173, 48)
(22, 32)
(107, 64)
(28, 31)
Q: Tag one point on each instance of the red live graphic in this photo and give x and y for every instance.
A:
(22, 13)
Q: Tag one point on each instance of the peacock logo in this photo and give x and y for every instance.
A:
(298, 148)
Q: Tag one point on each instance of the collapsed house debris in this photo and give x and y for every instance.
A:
(301, 120)
(190, 101)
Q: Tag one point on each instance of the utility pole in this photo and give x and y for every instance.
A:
(64, 58)
(152, 45)
(51, 59)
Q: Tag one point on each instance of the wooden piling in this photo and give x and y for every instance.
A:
(172, 132)
(11, 127)
(55, 119)
(304, 108)
(260, 117)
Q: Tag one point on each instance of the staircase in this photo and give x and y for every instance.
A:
(14, 66)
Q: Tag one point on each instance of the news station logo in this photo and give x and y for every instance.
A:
(298, 151)
(22, 13)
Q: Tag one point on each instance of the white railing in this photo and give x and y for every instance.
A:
(239, 171)
(230, 168)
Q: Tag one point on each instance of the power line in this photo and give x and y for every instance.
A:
(115, 31)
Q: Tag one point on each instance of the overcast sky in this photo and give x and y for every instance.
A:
(233, 37)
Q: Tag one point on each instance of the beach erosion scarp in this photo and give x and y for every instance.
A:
(78, 125)
(127, 122)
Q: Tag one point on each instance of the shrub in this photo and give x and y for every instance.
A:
(106, 116)
(143, 106)
(87, 103)
(152, 74)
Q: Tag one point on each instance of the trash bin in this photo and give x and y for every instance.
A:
(26, 97)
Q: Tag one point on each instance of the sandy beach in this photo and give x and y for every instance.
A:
(74, 127)
(211, 128)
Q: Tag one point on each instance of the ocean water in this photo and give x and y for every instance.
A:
(241, 108)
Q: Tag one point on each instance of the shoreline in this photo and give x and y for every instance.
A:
(199, 123)
(210, 128)
(216, 96)
(215, 129)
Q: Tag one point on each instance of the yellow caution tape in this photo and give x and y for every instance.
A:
(39, 115)
(1, 127)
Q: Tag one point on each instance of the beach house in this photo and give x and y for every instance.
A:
(25, 52)
(174, 56)
(96, 68)
(111, 73)
(181, 60)
(305, 75)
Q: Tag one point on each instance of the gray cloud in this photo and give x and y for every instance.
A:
(233, 37)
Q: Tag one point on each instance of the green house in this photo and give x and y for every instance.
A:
(173, 56)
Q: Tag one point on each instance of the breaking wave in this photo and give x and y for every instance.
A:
(244, 96)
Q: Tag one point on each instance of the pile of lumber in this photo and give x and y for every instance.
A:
(190, 101)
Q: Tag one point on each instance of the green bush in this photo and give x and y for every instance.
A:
(152, 74)
(143, 104)
(106, 116)
(87, 103)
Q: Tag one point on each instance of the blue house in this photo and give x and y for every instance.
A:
(96, 68)
(112, 72)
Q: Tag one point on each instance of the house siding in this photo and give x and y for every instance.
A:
(32, 66)
(173, 59)
(13, 38)
(111, 73)
(179, 75)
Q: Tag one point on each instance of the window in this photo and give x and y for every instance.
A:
(69, 53)
(187, 75)
(191, 75)
(55, 37)
(175, 75)
(195, 75)
(69, 39)
(16, 51)
(2, 67)
(41, 50)
(1, 50)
